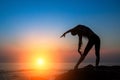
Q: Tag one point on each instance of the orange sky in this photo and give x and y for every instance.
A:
(51, 47)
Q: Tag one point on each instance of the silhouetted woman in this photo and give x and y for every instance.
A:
(93, 39)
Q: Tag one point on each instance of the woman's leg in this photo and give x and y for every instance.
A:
(97, 51)
(87, 49)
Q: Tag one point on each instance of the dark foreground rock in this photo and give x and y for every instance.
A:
(92, 73)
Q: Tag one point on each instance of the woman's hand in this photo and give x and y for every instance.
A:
(63, 35)
(80, 52)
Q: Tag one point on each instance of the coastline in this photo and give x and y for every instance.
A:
(90, 72)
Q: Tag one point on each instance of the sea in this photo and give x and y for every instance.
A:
(18, 71)
(21, 71)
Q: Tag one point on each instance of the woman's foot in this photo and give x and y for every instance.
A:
(76, 67)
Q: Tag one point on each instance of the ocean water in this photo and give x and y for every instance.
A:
(24, 66)
(20, 71)
(58, 66)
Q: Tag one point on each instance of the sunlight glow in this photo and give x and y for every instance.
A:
(40, 62)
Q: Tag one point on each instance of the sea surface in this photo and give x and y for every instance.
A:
(20, 71)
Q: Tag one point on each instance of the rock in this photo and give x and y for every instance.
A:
(92, 73)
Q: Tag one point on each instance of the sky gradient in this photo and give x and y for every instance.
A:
(32, 28)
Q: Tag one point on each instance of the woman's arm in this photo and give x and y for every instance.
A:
(79, 44)
(65, 33)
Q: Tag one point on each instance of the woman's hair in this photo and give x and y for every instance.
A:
(74, 31)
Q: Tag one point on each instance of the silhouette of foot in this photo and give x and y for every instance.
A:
(76, 67)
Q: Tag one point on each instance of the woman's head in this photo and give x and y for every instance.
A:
(74, 32)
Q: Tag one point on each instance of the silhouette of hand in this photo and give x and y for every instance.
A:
(80, 52)
(62, 35)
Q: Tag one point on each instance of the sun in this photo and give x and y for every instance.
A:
(40, 62)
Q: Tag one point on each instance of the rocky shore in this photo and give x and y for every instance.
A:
(92, 73)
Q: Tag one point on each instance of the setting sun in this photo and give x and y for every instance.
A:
(40, 61)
